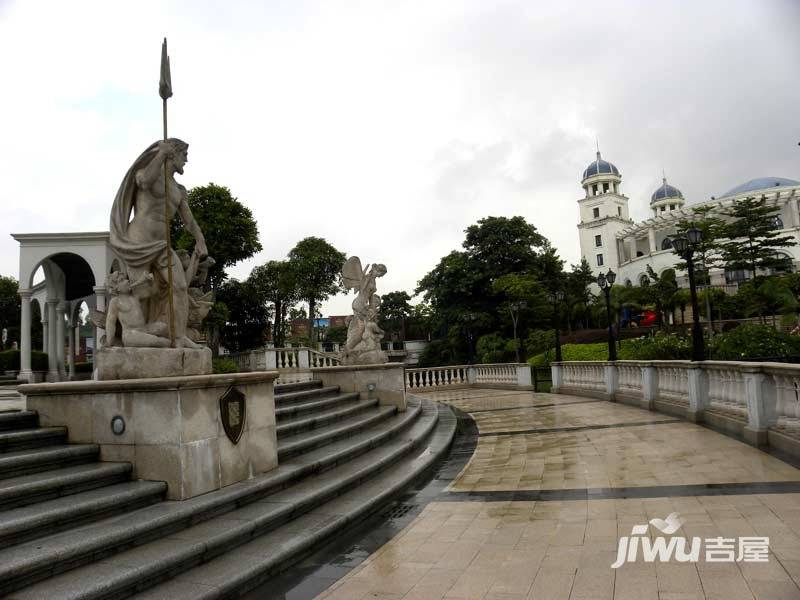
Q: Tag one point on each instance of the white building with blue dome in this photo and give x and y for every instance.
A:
(610, 239)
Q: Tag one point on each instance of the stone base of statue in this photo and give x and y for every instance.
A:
(197, 433)
(370, 357)
(114, 363)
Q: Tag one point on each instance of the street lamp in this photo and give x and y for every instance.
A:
(556, 299)
(685, 247)
(605, 281)
(469, 320)
(514, 308)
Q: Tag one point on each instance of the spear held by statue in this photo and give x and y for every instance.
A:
(165, 91)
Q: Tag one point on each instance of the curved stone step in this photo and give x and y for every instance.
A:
(285, 388)
(45, 518)
(294, 426)
(33, 561)
(294, 410)
(26, 439)
(282, 400)
(138, 568)
(18, 419)
(25, 462)
(303, 442)
(27, 489)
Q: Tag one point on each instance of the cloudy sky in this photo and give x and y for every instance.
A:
(389, 127)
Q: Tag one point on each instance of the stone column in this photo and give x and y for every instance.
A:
(557, 376)
(651, 237)
(794, 210)
(762, 398)
(52, 346)
(698, 392)
(632, 247)
(45, 325)
(649, 386)
(25, 373)
(71, 349)
(100, 305)
(61, 309)
(612, 379)
(524, 376)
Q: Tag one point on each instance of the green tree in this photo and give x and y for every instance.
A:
(276, 283)
(460, 289)
(10, 308)
(661, 292)
(395, 309)
(247, 315)
(708, 249)
(754, 238)
(228, 225)
(317, 268)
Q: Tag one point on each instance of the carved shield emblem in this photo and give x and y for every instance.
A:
(233, 411)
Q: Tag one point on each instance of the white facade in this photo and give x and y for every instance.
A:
(628, 248)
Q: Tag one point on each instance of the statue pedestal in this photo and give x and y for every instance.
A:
(370, 357)
(136, 363)
(172, 429)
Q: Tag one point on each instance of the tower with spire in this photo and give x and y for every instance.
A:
(666, 198)
(603, 214)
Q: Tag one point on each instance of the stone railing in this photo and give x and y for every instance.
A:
(282, 359)
(757, 401)
(512, 375)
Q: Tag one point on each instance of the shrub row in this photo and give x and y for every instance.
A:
(746, 342)
(10, 361)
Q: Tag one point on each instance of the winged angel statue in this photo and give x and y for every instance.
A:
(364, 337)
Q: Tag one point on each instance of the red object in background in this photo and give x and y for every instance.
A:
(647, 318)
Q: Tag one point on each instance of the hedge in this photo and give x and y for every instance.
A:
(10, 361)
(223, 365)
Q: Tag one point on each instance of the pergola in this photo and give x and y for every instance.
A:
(75, 266)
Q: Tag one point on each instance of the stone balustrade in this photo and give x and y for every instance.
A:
(505, 375)
(282, 359)
(759, 402)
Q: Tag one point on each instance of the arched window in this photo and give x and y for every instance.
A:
(666, 244)
(628, 283)
(777, 222)
(644, 281)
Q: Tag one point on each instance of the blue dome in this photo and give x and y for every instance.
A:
(762, 183)
(600, 166)
(665, 191)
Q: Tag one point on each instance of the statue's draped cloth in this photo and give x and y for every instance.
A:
(139, 256)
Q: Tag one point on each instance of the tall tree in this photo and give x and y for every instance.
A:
(395, 309)
(276, 282)
(247, 315)
(317, 268)
(10, 309)
(754, 238)
(230, 230)
(460, 288)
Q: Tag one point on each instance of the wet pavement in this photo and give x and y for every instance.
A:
(536, 495)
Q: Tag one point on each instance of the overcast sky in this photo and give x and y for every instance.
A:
(389, 127)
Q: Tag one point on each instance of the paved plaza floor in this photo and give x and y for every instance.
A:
(555, 481)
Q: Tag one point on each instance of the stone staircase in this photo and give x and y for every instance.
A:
(73, 527)
(9, 398)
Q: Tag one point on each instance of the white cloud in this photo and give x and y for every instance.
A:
(389, 128)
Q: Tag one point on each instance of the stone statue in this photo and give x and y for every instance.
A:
(364, 337)
(138, 238)
(200, 302)
(125, 308)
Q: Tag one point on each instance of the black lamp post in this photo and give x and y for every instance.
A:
(555, 299)
(685, 247)
(469, 320)
(514, 308)
(605, 281)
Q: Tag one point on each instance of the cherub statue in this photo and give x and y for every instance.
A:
(364, 337)
(125, 307)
